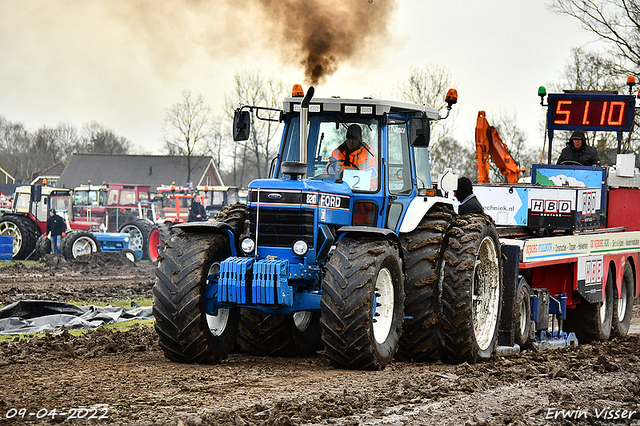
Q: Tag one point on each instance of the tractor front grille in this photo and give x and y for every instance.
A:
(282, 227)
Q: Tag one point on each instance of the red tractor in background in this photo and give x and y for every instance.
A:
(120, 207)
(27, 222)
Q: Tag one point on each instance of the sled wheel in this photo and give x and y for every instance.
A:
(186, 332)
(263, 334)
(362, 305)
(471, 290)
(522, 318)
(592, 321)
(79, 243)
(423, 249)
(623, 304)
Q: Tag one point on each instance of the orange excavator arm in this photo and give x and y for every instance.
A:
(489, 147)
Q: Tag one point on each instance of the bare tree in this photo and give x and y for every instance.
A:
(515, 139)
(450, 153)
(187, 127)
(615, 22)
(429, 86)
(253, 88)
(97, 139)
(593, 71)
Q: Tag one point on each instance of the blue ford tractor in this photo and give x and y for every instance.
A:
(365, 263)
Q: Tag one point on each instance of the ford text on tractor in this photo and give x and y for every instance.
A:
(344, 248)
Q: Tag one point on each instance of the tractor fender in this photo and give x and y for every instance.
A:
(388, 234)
(213, 228)
(418, 208)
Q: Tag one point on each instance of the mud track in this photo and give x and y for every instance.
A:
(125, 377)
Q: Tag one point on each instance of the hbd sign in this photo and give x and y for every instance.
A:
(551, 206)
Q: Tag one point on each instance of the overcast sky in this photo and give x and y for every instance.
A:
(121, 65)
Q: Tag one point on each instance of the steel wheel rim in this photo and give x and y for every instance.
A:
(302, 319)
(83, 246)
(154, 244)
(383, 306)
(523, 317)
(604, 304)
(131, 256)
(485, 293)
(622, 302)
(11, 229)
(135, 237)
(217, 323)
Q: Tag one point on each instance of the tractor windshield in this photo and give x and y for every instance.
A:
(339, 146)
(94, 197)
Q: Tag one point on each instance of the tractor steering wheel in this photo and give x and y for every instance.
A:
(571, 163)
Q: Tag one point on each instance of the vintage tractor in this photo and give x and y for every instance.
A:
(336, 252)
(120, 208)
(27, 220)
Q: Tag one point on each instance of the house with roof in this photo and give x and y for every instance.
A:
(51, 174)
(152, 170)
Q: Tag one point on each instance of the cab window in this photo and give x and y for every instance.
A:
(400, 181)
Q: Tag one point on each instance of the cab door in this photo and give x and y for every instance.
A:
(399, 177)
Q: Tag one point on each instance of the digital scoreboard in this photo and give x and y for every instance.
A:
(590, 111)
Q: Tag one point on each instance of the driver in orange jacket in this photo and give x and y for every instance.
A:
(353, 153)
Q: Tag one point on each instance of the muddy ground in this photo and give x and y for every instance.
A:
(123, 378)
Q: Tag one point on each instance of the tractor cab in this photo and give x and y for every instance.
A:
(344, 166)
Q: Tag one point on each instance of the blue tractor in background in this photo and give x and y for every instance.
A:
(366, 263)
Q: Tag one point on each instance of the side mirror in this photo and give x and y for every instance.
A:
(419, 131)
(241, 125)
(448, 181)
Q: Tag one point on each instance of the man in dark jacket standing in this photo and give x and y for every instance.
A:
(468, 201)
(197, 212)
(55, 231)
(578, 151)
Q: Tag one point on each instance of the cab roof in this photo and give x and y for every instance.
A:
(364, 106)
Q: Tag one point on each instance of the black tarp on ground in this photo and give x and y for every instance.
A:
(34, 316)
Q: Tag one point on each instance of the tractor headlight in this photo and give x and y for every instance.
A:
(300, 247)
(247, 245)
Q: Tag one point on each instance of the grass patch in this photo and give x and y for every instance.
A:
(116, 326)
(5, 263)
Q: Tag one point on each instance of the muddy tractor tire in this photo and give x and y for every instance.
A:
(164, 232)
(235, 216)
(471, 290)
(78, 243)
(623, 304)
(23, 230)
(423, 249)
(362, 305)
(144, 236)
(43, 246)
(186, 332)
(593, 321)
(129, 254)
(266, 335)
